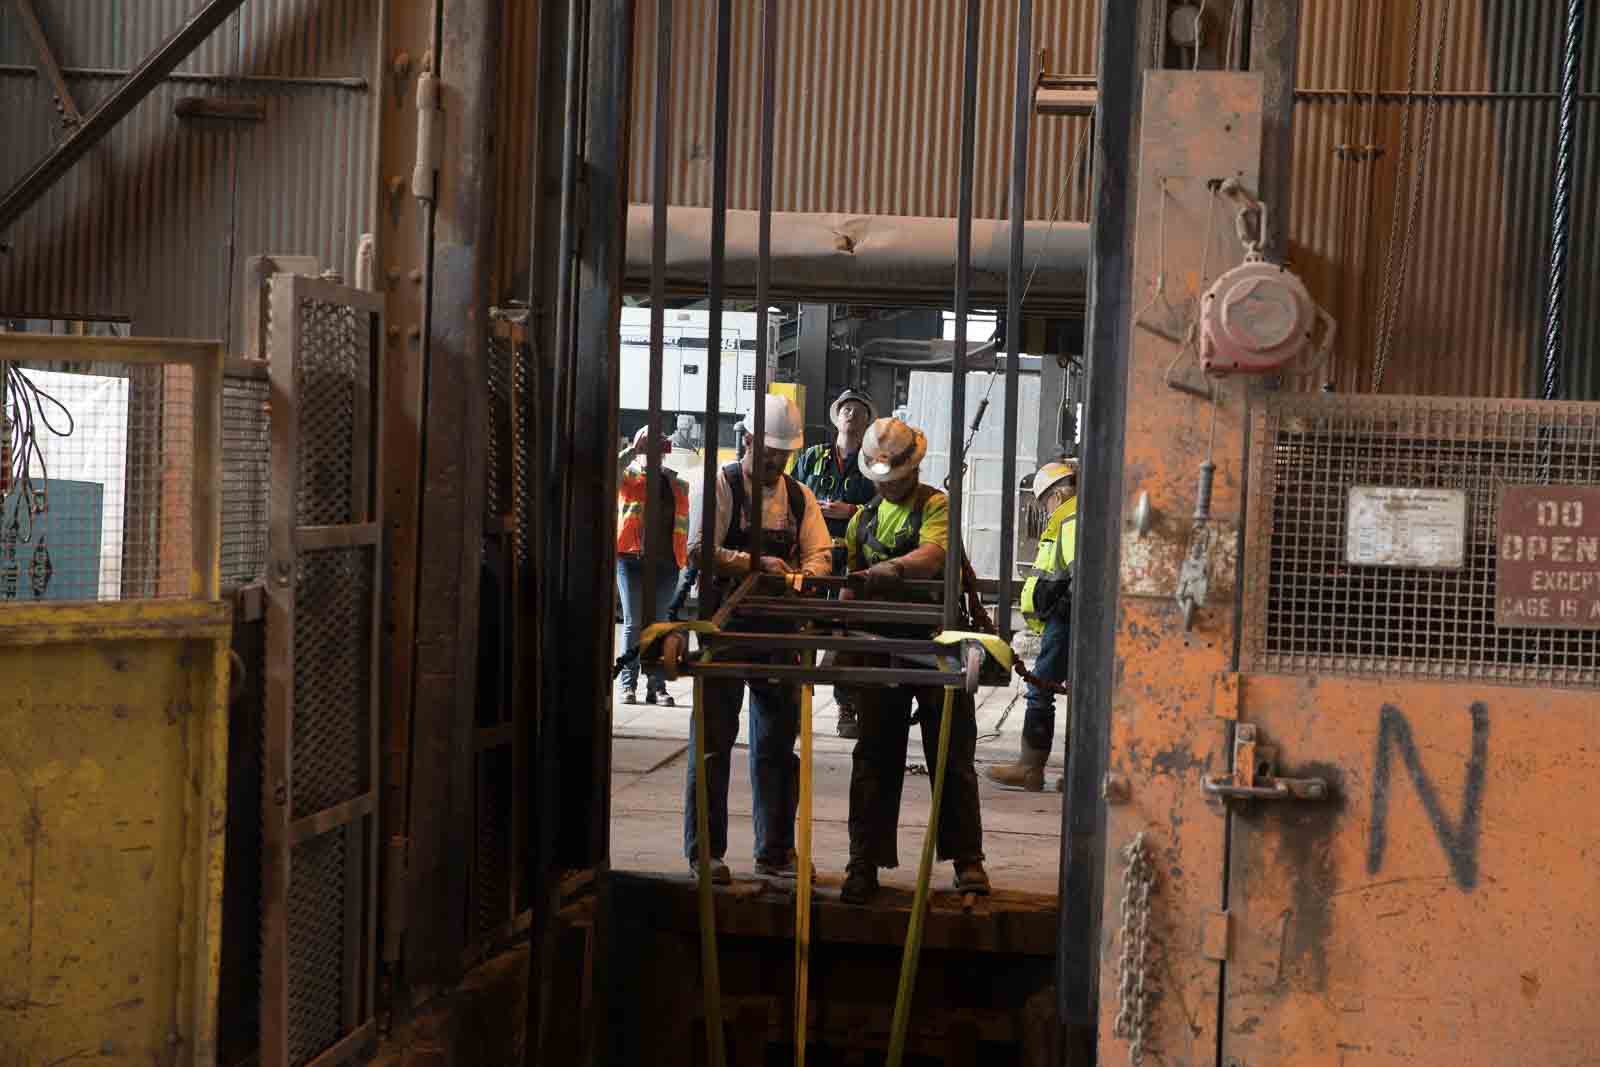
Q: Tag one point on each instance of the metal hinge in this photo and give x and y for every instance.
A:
(1254, 774)
(430, 139)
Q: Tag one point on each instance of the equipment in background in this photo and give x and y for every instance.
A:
(1258, 317)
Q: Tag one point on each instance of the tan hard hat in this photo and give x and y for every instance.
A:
(890, 450)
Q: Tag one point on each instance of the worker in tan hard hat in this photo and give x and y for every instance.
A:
(794, 539)
(904, 534)
(1047, 609)
(832, 472)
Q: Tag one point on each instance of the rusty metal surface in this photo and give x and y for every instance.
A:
(1163, 734)
(1435, 910)
(177, 211)
(1547, 571)
(1307, 610)
(320, 780)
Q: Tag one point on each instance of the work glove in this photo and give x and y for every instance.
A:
(881, 578)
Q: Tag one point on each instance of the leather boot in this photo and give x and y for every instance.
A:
(1027, 773)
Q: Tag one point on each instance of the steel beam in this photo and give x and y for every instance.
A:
(31, 186)
(714, 285)
(660, 190)
(1121, 63)
(455, 445)
(70, 115)
(1021, 114)
(954, 556)
(1275, 52)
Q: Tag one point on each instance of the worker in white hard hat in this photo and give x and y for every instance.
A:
(794, 539)
(831, 470)
(904, 534)
(1047, 609)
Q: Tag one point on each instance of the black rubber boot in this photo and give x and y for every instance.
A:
(860, 883)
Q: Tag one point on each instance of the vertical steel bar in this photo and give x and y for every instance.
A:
(769, 58)
(719, 254)
(660, 162)
(1561, 207)
(1021, 111)
(1121, 62)
(958, 360)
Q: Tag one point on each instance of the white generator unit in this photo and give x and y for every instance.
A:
(685, 362)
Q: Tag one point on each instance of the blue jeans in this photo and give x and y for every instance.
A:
(630, 585)
(774, 767)
(1055, 653)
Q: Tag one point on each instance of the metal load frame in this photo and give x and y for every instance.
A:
(728, 652)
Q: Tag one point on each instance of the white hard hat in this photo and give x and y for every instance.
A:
(864, 399)
(1052, 474)
(785, 429)
(891, 450)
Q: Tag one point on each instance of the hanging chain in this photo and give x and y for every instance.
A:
(1133, 992)
(1395, 281)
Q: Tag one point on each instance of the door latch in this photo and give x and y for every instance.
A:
(1254, 774)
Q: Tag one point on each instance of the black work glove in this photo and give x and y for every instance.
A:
(882, 577)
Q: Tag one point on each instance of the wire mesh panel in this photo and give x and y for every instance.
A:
(1308, 610)
(319, 874)
(246, 470)
(97, 478)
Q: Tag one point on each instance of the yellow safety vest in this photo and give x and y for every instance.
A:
(1058, 547)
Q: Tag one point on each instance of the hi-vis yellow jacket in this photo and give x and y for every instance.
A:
(1058, 547)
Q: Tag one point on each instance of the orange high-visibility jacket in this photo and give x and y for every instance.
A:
(630, 514)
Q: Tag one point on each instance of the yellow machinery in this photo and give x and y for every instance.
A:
(113, 726)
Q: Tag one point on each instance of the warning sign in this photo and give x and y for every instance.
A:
(1547, 572)
(1391, 527)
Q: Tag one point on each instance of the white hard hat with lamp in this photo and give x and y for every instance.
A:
(891, 450)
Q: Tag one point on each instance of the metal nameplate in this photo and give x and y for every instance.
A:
(1392, 527)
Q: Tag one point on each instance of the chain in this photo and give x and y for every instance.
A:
(1133, 995)
(1395, 282)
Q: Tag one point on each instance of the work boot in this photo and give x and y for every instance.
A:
(971, 877)
(720, 875)
(848, 726)
(1027, 773)
(787, 869)
(860, 883)
(1061, 784)
(628, 696)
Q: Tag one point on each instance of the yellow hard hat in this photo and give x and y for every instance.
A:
(1052, 474)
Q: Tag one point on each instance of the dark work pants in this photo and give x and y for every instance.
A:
(1055, 654)
(878, 770)
(774, 767)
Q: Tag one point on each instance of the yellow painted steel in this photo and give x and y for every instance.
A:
(113, 770)
(919, 903)
(802, 896)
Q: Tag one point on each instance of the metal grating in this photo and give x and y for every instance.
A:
(499, 444)
(1309, 612)
(246, 478)
(333, 347)
(332, 658)
(316, 916)
(97, 469)
(492, 869)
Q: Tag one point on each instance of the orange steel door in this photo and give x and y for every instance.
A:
(1422, 889)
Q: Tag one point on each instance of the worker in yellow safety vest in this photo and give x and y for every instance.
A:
(670, 512)
(904, 534)
(1047, 609)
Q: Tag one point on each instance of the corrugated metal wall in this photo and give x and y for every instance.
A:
(868, 106)
(155, 224)
(1471, 318)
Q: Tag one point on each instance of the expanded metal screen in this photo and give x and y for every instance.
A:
(1308, 611)
(246, 478)
(323, 594)
(97, 480)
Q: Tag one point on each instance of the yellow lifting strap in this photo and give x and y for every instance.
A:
(711, 974)
(802, 896)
